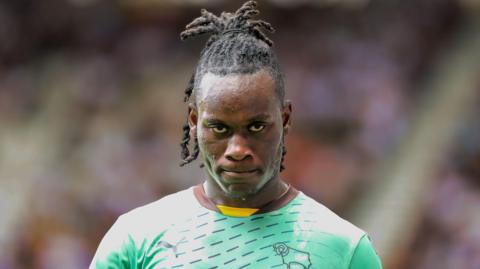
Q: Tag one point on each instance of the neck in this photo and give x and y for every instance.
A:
(272, 190)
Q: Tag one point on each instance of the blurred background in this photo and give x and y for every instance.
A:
(386, 98)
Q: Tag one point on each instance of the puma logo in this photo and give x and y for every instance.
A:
(165, 244)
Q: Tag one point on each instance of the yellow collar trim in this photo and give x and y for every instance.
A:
(237, 211)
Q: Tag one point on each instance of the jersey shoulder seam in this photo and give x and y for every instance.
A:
(352, 253)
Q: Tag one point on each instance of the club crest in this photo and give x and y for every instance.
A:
(293, 258)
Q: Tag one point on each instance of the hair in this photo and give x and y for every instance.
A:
(236, 46)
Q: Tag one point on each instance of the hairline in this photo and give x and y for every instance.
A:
(242, 70)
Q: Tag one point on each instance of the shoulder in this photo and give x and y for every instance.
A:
(159, 214)
(351, 241)
(138, 228)
(328, 221)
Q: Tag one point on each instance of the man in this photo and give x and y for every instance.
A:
(243, 215)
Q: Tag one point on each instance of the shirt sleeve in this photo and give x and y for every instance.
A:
(116, 250)
(364, 256)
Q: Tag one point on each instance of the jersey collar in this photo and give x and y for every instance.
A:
(273, 205)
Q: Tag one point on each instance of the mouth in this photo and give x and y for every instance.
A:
(239, 173)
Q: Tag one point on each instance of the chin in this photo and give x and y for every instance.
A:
(240, 190)
(243, 190)
(239, 187)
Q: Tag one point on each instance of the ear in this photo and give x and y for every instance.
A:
(286, 113)
(192, 119)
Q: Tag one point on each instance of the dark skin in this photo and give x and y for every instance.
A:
(240, 122)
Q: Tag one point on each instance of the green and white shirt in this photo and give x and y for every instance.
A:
(177, 231)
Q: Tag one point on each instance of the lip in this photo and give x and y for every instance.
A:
(240, 174)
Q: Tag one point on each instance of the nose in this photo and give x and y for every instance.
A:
(238, 149)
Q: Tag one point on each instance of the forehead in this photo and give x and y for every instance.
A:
(237, 94)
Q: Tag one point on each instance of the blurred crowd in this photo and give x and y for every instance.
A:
(449, 236)
(91, 112)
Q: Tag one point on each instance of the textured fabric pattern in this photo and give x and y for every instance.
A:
(176, 232)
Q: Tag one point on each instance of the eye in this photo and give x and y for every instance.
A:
(219, 129)
(256, 127)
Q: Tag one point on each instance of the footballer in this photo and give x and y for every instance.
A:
(243, 215)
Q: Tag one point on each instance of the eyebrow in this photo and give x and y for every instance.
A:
(259, 117)
(212, 121)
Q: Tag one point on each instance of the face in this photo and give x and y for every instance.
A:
(239, 122)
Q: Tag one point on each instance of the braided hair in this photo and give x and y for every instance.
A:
(236, 46)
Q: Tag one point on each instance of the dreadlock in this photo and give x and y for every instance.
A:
(236, 45)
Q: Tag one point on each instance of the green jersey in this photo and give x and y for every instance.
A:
(178, 232)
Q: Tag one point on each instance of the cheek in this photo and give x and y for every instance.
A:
(270, 150)
(210, 148)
